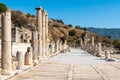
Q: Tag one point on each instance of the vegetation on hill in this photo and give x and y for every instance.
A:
(73, 34)
(116, 43)
(110, 33)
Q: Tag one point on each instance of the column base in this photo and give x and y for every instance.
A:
(35, 62)
(6, 71)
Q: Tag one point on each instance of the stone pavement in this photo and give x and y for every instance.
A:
(76, 65)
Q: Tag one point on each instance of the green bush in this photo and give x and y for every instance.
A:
(72, 33)
(3, 7)
(77, 27)
(116, 43)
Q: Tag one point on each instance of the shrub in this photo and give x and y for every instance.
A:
(116, 43)
(3, 7)
(72, 33)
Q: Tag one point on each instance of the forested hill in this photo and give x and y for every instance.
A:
(113, 33)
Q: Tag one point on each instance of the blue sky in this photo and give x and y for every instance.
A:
(86, 13)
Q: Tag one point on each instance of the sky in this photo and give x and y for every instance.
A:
(85, 13)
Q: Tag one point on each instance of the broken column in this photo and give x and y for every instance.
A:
(20, 58)
(107, 54)
(99, 50)
(39, 29)
(28, 56)
(6, 58)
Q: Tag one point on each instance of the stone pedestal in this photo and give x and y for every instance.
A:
(20, 60)
(107, 55)
(6, 58)
(28, 56)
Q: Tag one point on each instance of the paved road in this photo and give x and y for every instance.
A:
(76, 65)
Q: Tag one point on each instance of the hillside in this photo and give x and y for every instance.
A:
(63, 31)
(114, 33)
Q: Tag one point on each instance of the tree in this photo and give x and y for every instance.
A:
(72, 33)
(28, 15)
(3, 7)
(70, 25)
(77, 27)
(60, 21)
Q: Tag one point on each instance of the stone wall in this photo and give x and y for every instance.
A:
(22, 47)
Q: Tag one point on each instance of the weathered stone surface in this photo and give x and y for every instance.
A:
(76, 65)
(99, 50)
(35, 46)
(6, 62)
(29, 57)
(20, 57)
(39, 29)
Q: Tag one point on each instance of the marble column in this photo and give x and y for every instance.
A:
(56, 47)
(35, 46)
(81, 43)
(6, 58)
(20, 57)
(93, 41)
(99, 50)
(39, 29)
(46, 35)
(43, 34)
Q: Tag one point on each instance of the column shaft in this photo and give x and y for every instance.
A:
(39, 29)
(6, 59)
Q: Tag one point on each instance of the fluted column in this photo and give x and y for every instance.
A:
(6, 58)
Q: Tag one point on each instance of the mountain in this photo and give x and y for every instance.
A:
(114, 33)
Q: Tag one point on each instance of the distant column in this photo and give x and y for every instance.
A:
(43, 34)
(93, 41)
(107, 54)
(81, 43)
(46, 35)
(56, 46)
(6, 59)
(99, 50)
(39, 29)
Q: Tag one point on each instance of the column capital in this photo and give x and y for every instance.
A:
(38, 8)
(44, 11)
